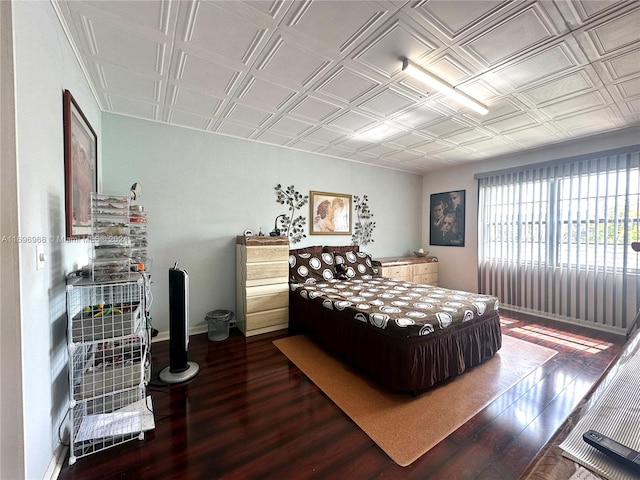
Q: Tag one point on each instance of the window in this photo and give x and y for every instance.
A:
(551, 234)
(572, 222)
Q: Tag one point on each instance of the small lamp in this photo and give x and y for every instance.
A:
(276, 231)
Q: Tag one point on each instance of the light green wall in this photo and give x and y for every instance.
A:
(201, 190)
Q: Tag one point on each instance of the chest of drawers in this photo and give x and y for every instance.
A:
(411, 269)
(262, 285)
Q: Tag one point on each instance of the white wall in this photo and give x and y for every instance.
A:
(458, 265)
(201, 190)
(44, 67)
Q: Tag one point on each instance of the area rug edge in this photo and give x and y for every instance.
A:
(337, 381)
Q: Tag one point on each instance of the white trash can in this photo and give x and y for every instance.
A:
(218, 321)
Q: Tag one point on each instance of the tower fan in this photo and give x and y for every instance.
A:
(179, 369)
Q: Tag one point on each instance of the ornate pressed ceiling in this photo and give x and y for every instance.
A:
(326, 76)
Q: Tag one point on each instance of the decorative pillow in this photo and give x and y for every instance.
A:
(341, 248)
(358, 263)
(310, 267)
(317, 249)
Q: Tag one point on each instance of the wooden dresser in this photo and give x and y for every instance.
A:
(262, 284)
(412, 269)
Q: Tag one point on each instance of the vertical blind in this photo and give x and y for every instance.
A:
(555, 238)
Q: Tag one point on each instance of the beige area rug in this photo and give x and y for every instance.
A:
(403, 426)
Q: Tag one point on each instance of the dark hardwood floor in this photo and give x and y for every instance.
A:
(250, 413)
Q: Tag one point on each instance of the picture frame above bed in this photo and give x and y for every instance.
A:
(330, 213)
(80, 168)
(447, 218)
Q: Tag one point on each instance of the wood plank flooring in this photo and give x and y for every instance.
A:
(250, 413)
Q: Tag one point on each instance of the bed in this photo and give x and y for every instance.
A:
(405, 336)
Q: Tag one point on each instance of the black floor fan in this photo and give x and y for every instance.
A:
(179, 369)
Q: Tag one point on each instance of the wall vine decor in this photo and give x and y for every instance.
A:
(363, 228)
(291, 227)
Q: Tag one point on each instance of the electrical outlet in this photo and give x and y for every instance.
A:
(40, 257)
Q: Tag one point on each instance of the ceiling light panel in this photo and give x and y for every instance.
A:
(443, 87)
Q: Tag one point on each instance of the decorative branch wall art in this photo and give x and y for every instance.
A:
(292, 227)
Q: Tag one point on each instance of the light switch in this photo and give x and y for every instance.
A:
(40, 257)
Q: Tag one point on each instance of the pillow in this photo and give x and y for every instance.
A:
(358, 263)
(311, 267)
(342, 248)
(317, 249)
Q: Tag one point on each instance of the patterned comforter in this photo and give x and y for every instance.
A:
(399, 308)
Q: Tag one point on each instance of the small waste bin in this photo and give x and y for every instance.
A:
(218, 321)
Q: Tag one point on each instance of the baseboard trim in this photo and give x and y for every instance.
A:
(57, 462)
(163, 336)
(559, 320)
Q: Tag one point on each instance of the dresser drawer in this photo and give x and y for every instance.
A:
(402, 272)
(272, 272)
(261, 303)
(428, 279)
(425, 268)
(268, 321)
(261, 290)
(267, 254)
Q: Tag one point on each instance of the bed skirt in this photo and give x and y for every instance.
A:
(398, 363)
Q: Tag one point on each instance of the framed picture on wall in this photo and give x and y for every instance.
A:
(447, 218)
(80, 168)
(331, 213)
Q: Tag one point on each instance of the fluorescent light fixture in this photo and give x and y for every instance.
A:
(433, 81)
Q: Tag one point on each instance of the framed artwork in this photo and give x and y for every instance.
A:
(330, 213)
(80, 168)
(447, 218)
